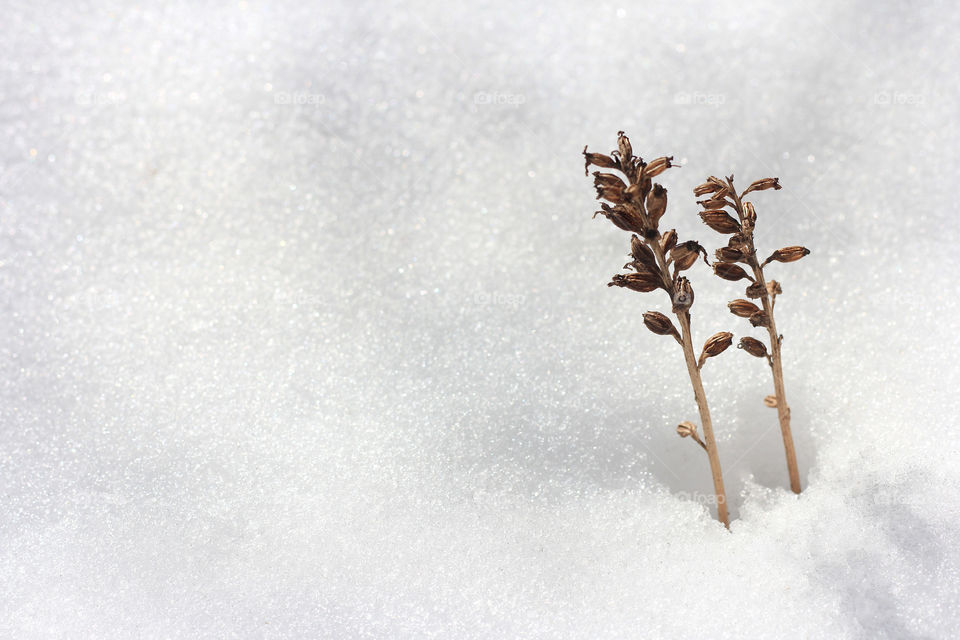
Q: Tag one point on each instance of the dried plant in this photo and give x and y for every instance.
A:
(741, 249)
(637, 205)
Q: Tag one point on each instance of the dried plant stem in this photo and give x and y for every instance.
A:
(697, 383)
(776, 362)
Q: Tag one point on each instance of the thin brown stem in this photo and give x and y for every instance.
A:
(776, 361)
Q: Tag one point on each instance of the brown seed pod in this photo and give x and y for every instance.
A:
(668, 240)
(658, 166)
(773, 288)
(608, 180)
(770, 401)
(742, 308)
(749, 213)
(760, 319)
(612, 193)
(686, 253)
(753, 346)
(730, 271)
(714, 346)
(720, 221)
(718, 201)
(729, 254)
(755, 291)
(656, 204)
(787, 254)
(687, 429)
(682, 295)
(705, 188)
(643, 282)
(598, 160)
(661, 325)
(641, 252)
(623, 144)
(620, 216)
(762, 185)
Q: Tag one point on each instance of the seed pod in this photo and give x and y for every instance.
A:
(607, 180)
(619, 216)
(623, 144)
(787, 254)
(760, 319)
(716, 202)
(753, 346)
(739, 242)
(613, 193)
(749, 213)
(720, 221)
(656, 204)
(686, 429)
(643, 281)
(641, 253)
(682, 295)
(742, 308)
(770, 401)
(661, 325)
(754, 291)
(685, 254)
(714, 346)
(729, 254)
(598, 160)
(658, 166)
(773, 288)
(705, 188)
(762, 185)
(668, 241)
(730, 271)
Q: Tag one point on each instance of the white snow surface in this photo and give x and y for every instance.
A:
(305, 332)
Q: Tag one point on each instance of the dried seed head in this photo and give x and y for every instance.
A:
(641, 253)
(762, 185)
(706, 188)
(656, 204)
(623, 144)
(773, 288)
(787, 254)
(760, 319)
(685, 254)
(660, 325)
(668, 241)
(742, 308)
(753, 346)
(598, 160)
(714, 346)
(658, 166)
(729, 254)
(730, 271)
(686, 429)
(682, 295)
(643, 281)
(720, 221)
(770, 401)
(754, 291)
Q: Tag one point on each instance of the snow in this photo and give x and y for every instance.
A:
(305, 332)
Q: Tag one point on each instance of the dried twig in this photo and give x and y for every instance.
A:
(741, 249)
(637, 206)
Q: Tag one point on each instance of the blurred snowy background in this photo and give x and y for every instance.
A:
(305, 332)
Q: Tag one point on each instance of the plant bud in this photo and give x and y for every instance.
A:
(730, 271)
(641, 253)
(720, 221)
(623, 143)
(770, 401)
(682, 295)
(686, 429)
(714, 346)
(755, 291)
(729, 254)
(660, 325)
(656, 204)
(762, 185)
(684, 255)
(787, 254)
(643, 281)
(668, 241)
(599, 160)
(658, 166)
(742, 308)
(760, 319)
(753, 346)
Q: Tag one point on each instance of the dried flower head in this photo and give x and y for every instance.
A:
(644, 282)
(787, 254)
(668, 240)
(682, 295)
(762, 185)
(685, 255)
(714, 346)
(720, 221)
(661, 325)
(742, 308)
(730, 271)
(753, 346)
